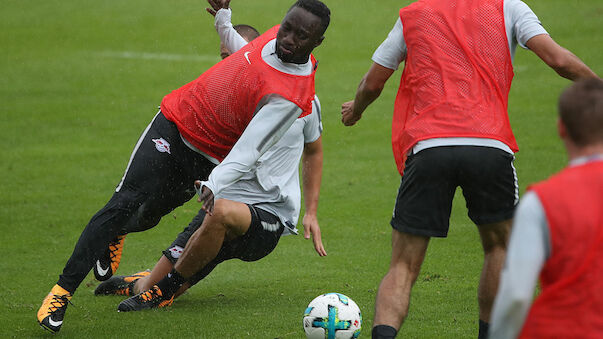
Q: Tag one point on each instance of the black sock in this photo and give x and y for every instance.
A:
(171, 283)
(483, 329)
(384, 332)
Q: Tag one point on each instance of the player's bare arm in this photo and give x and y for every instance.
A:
(217, 5)
(564, 62)
(311, 179)
(368, 91)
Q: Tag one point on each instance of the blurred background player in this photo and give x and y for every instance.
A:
(450, 129)
(254, 95)
(302, 137)
(246, 32)
(249, 226)
(558, 233)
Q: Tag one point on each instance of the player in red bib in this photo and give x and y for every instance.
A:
(558, 233)
(451, 129)
(248, 100)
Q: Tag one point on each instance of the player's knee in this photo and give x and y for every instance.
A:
(225, 211)
(143, 219)
(142, 215)
(221, 211)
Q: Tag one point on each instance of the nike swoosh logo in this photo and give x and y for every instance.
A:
(55, 323)
(100, 270)
(247, 57)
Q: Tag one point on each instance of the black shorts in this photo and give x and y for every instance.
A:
(485, 174)
(256, 243)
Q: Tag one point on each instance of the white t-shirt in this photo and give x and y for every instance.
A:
(521, 24)
(273, 183)
(263, 166)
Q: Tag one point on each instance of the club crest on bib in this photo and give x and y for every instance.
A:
(162, 146)
(176, 251)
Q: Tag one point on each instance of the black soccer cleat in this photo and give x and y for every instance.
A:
(152, 298)
(120, 284)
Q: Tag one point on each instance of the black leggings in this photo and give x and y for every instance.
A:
(159, 178)
(254, 245)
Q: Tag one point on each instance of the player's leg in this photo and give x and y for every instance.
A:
(173, 166)
(393, 296)
(489, 184)
(422, 210)
(229, 220)
(170, 257)
(151, 170)
(259, 239)
(152, 174)
(494, 239)
(130, 285)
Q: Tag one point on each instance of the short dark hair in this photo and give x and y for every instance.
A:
(317, 8)
(581, 111)
(246, 31)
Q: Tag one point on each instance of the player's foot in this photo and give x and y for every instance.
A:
(120, 284)
(107, 264)
(52, 311)
(152, 298)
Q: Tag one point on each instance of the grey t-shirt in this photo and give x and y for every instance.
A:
(273, 183)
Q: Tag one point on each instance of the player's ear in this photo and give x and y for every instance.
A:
(319, 41)
(561, 129)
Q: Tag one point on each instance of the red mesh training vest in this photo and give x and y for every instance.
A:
(212, 111)
(570, 304)
(457, 74)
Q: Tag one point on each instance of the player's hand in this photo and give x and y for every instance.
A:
(217, 5)
(310, 224)
(206, 197)
(347, 114)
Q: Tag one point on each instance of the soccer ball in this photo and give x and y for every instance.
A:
(332, 316)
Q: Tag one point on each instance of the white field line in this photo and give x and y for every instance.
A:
(158, 56)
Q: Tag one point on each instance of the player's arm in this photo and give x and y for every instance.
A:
(369, 90)
(564, 62)
(386, 60)
(265, 129)
(311, 178)
(231, 39)
(529, 247)
(527, 30)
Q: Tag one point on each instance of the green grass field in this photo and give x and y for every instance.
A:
(79, 82)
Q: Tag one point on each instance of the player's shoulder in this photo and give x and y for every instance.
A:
(516, 7)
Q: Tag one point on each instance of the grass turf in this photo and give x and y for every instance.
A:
(80, 81)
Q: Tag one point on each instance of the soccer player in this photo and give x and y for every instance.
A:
(282, 161)
(450, 129)
(250, 98)
(558, 233)
(108, 263)
(258, 190)
(240, 224)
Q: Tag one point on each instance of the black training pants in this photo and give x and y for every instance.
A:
(159, 178)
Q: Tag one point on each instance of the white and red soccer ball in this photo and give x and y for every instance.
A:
(332, 316)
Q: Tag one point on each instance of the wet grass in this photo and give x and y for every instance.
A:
(80, 81)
